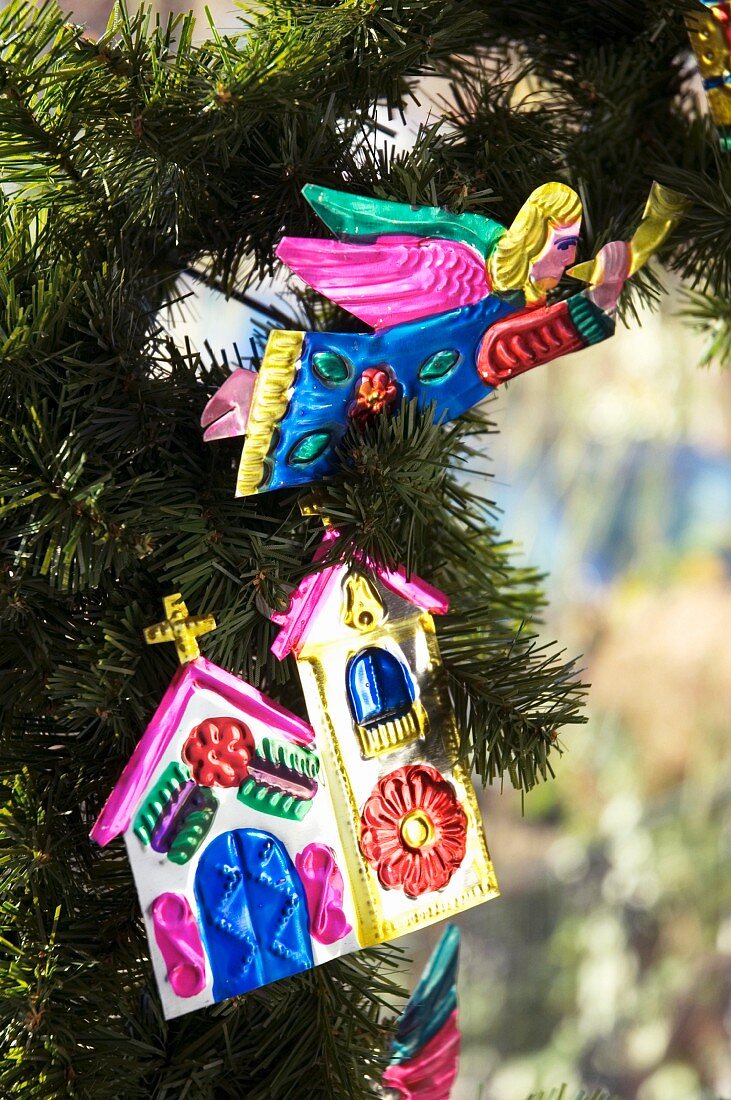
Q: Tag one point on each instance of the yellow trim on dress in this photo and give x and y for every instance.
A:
(268, 405)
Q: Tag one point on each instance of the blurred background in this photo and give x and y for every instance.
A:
(607, 961)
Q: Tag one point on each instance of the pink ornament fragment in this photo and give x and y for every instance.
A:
(179, 941)
(323, 885)
(227, 413)
(431, 1074)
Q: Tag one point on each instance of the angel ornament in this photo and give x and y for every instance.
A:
(457, 304)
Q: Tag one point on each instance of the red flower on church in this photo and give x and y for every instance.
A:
(377, 390)
(218, 752)
(413, 830)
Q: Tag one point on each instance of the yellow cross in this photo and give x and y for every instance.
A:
(180, 627)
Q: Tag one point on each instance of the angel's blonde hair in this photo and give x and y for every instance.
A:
(550, 205)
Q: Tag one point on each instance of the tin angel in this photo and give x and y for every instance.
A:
(457, 305)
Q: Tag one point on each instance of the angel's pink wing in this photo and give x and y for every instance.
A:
(392, 279)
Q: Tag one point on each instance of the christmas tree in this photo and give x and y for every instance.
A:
(127, 161)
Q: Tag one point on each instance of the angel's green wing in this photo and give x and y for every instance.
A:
(365, 217)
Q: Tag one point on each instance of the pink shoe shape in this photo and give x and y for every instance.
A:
(227, 413)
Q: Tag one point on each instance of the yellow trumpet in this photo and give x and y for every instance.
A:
(663, 210)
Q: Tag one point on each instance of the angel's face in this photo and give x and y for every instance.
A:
(558, 253)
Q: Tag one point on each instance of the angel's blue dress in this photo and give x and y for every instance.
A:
(433, 359)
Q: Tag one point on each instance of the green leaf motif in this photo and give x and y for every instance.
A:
(308, 448)
(194, 828)
(266, 473)
(268, 800)
(332, 368)
(439, 365)
(158, 798)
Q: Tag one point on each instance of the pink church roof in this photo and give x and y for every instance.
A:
(197, 675)
(313, 589)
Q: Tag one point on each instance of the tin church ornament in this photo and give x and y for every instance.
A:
(261, 845)
(410, 827)
(230, 835)
(457, 304)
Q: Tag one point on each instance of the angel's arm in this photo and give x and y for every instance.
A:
(520, 343)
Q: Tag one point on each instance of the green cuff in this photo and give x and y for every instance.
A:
(592, 323)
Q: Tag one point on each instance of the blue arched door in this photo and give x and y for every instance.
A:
(253, 911)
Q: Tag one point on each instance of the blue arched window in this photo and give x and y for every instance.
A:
(380, 687)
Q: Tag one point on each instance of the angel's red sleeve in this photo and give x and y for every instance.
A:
(526, 340)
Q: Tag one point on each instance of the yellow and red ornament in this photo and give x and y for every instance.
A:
(709, 28)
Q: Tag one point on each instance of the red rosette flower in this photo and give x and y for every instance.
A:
(377, 390)
(218, 752)
(413, 830)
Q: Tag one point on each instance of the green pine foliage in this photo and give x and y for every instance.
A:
(124, 161)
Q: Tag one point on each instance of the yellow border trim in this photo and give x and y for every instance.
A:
(268, 405)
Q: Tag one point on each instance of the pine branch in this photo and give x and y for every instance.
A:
(511, 694)
(124, 161)
(710, 315)
(705, 256)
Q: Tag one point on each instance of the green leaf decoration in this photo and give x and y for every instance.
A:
(291, 756)
(165, 790)
(309, 448)
(195, 827)
(439, 365)
(266, 473)
(331, 368)
(270, 801)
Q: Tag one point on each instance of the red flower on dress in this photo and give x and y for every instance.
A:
(377, 390)
(218, 752)
(413, 830)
